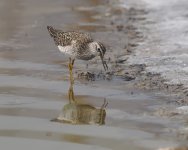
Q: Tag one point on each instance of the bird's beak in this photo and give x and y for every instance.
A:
(103, 62)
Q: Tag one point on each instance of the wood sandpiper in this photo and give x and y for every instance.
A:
(77, 45)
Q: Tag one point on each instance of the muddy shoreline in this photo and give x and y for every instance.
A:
(137, 74)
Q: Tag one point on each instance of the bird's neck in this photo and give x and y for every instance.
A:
(92, 47)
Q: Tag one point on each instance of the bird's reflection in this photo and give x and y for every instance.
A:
(75, 113)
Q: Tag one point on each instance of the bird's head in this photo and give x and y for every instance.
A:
(99, 50)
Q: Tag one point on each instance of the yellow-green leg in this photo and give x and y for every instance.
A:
(71, 95)
(71, 92)
(71, 64)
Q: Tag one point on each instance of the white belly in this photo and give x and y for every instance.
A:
(66, 49)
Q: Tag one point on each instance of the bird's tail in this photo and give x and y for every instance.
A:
(52, 31)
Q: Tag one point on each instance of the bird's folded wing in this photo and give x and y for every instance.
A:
(66, 38)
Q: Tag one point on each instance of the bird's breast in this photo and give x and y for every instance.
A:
(66, 49)
(83, 54)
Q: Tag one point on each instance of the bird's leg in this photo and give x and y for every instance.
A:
(71, 64)
(71, 92)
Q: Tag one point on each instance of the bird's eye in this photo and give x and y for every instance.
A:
(98, 49)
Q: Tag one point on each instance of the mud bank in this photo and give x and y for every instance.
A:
(130, 19)
(157, 48)
(133, 18)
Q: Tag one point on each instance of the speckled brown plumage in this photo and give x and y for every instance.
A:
(66, 38)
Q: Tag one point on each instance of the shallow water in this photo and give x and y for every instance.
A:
(34, 84)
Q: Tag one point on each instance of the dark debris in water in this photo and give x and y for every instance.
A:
(128, 77)
(91, 76)
(125, 72)
(87, 76)
(130, 72)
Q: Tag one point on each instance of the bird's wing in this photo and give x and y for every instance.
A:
(79, 39)
(66, 38)
(82, 40)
